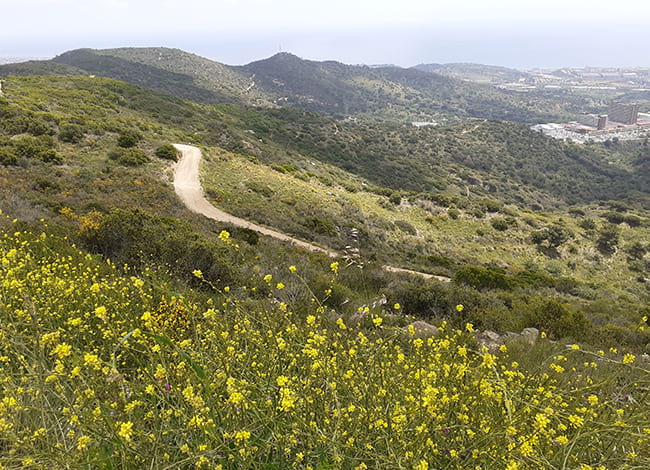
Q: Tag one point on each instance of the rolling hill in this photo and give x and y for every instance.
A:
(480, 73)
(332, 88)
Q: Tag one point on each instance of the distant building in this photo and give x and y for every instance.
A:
(593, 120)
(624, 113)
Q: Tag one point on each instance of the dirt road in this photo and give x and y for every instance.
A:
(187, 185)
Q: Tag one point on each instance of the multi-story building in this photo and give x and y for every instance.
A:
(599, 121)
(624, 113)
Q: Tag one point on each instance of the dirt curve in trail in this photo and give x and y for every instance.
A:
(187, 185)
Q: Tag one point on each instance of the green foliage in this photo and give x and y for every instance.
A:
(453, 213)
(618, 218)
(553, 236)
(482, 278)
(502, 223)
(7, 156)
(552, 316)
(395, 198)
(139, 239)
(129, 156)
(28, 147)
(167, 152)
(405, 227)
(587, 224)
(608, 239)
(636, 250)
(283, 168)
(127, 140)
(72, 133)
(320, 225)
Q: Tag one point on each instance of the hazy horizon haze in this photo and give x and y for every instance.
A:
(505, 32)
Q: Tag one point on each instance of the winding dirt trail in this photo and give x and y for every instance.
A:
(187, 185)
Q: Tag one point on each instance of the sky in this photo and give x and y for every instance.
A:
(513, 33)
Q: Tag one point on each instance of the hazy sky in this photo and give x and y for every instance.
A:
(517, 33)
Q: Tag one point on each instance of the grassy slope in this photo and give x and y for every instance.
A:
(317, 201)
(286, 201)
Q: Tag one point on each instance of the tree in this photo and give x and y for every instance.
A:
(608, 239)
(553, 235)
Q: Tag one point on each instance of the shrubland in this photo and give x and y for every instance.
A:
(589, 258)
(136, 333)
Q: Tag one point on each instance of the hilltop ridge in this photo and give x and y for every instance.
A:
(329, 87)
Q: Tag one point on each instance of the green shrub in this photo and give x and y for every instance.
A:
(553, 236)
(127, 140)
(482, 278)
(130, 156)
(8, 156)
(587, 224)
(500, 224)
(320, 225)
(618, 218)
(142, 240)
(395, 198)
(608, 239)
(553, 317)
(71, 133)
(260, 188)
(50, 156)
(406, 227)
(490, 205)
(167, 152)
(283, 168)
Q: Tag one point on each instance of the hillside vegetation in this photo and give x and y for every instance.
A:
(332, 88)
(592, 262)
(134, 334)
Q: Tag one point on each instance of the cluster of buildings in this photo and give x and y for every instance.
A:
(627, 114)
(623, 121)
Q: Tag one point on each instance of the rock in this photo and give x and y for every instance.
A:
(492, 336)
(530, 334)
(511, 336)
(489, 339)
(423, 329)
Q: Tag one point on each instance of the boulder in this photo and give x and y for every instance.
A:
(489, 339)
(530, 334)
(423, 329)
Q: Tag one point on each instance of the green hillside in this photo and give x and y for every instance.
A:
(331, 88)
(39, 67)
(168, 71)
(64, 156)
(479, 73)
(387, 92)
(475, 159)
(136, 334)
